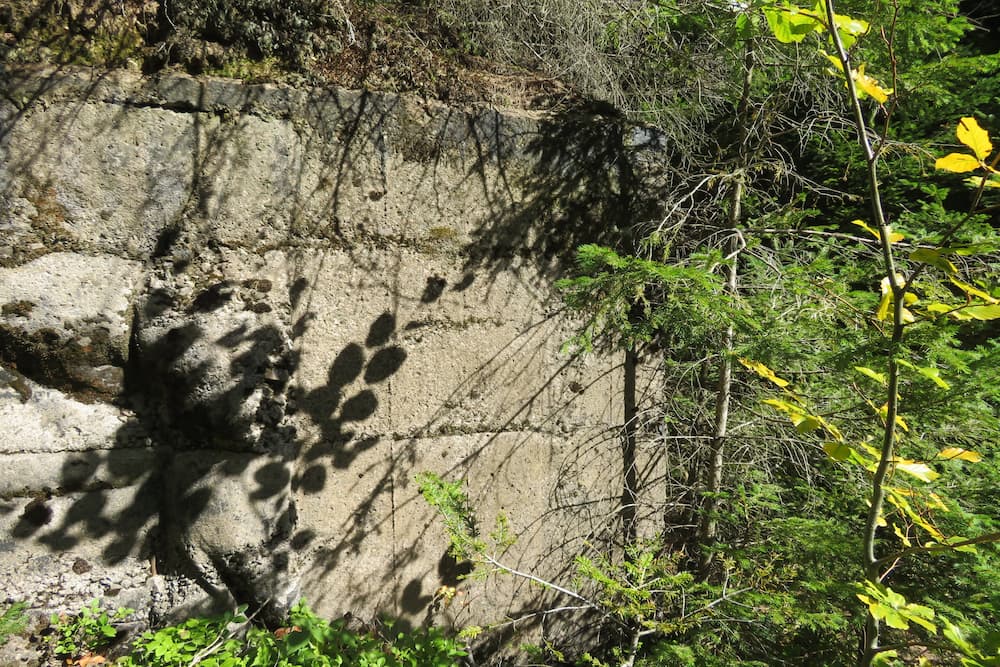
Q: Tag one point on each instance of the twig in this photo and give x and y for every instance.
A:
(225, 634)
(982, 539)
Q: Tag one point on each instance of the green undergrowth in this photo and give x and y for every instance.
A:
(231, 640)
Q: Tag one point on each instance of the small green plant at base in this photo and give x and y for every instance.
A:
(306, 641)
(91, 629)
(211, 640)
(13, 621)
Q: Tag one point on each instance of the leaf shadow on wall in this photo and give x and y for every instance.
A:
(373, 363)
(202, 466)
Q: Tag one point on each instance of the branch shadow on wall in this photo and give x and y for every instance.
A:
(207, 442)
(211, 460)
(582, 186)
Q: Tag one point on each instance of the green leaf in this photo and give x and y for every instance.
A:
(791, 24)
(848, 27)
(851, 26)
(885, 658)
(940, 308)
(838, 451)
(966, 250)
(990, 312)
(894, 619)
(934, 258)
(928, 372)
(808, 424)
(874, 375)
(744, 27)
(954, 634)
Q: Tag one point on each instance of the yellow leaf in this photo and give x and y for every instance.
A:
(883, 412)
(957, 162)
(870, 85)
(978, 182)
(929, 372)
(934, 375)
(902, 536)
(894, 237)
(975, 137)
(883, 307)
(871, 450)
(763, 371)
(899, 502)
(831, 429)
(935, 502)
(972, 291)
(959, 453)
(803, 421)
(921, 471)
(867, 85)
(864, 225)
(886, 287)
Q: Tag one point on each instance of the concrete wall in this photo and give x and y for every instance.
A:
(238, 319)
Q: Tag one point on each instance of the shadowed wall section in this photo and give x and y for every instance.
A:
(237, 320)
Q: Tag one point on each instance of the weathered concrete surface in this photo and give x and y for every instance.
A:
(66, 319)
(237, 321)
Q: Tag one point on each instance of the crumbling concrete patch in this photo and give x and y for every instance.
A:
(65, 320)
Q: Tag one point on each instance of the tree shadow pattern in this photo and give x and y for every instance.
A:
(582, 186)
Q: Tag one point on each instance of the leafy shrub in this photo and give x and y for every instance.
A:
(307, 641)
(181, 644)
(90, 630)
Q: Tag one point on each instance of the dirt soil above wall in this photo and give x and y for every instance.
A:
(386, 46)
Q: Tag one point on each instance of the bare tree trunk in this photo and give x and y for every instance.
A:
(629, 473)
(708, 527)
(709, 523)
